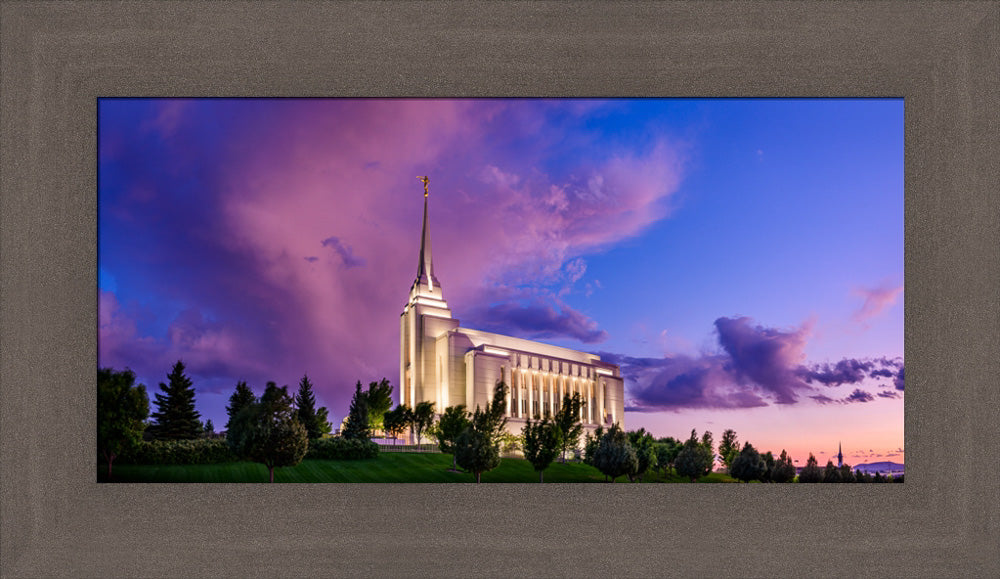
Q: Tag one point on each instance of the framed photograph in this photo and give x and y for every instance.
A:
(63, 63)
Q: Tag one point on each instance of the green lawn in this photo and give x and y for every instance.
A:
(388, 467)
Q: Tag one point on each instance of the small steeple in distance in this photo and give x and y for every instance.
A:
(840, 455)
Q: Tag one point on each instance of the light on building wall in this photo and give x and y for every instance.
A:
(433, 315)
(605, 372)
(430, 302)
(497, 351)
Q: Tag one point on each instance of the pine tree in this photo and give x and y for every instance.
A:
(239, 400)
(615, 456)
(784, 469)
(729, 447)
(811, 473)
(831, 474)
(305, 402)
(709, 448)
(357, 417)
(748, 464)
(176, 417)
(693, 459)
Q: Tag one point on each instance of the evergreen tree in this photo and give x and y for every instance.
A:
(748, 465)
(769, 465)
(379, 402)
(831, 474)
(784, 469)
(709, 449)
(643, 444)
(357, 417)
(453, 422)
(305, 412)
(729, 447)
(239, 400)
(477, 449)
(811, 473)
(692, 460)
(568, 421)
(846, 475)
(615, 456)
(175, 417)
(323, 419)
(268, 432)
(122, 409)
(209, 429)
(423, 418)
(542, 443)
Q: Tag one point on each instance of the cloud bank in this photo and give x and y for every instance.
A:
(755, 366)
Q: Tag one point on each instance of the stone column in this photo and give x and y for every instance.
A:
(530, 380)
(505, 376)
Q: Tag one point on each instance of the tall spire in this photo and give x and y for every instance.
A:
(425, 270)
(840, 455)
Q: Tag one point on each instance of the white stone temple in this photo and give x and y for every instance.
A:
(449, 365)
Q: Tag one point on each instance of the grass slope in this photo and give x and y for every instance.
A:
(387, 468)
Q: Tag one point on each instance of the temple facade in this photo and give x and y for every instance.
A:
(443, 363)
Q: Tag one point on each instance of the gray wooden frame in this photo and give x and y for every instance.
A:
(57, 58)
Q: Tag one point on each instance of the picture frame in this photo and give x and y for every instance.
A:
(58, 58)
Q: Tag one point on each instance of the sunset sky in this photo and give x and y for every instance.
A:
(742, 260)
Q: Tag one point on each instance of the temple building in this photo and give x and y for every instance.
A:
(443, 363)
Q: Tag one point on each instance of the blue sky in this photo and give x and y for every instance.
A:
(728, 253)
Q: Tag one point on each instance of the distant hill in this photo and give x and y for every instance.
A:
(886, 467)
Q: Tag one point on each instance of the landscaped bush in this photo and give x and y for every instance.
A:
(338, 448)
(197, 451)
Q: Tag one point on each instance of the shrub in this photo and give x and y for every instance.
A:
(339, 448)
(195, 451)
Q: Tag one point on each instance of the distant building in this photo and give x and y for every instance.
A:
(443, 363)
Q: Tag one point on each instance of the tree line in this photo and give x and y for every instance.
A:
(276, 429)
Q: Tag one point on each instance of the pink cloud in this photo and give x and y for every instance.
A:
(876, 300)
(310, 228)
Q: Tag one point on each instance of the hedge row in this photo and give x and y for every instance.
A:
(215, 451)
(341, 449)
(197, 451)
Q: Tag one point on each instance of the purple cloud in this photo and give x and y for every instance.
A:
(889, 394)
(764, 356)
(537, 320)
(859, 396)
(347, 257)
(756, 366)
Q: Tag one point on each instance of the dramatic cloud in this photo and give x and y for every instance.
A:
(876, 300)
(756, 366)
(210, 214)
(537, 321)
(851, 371)
(889, 394)
(764, 356)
